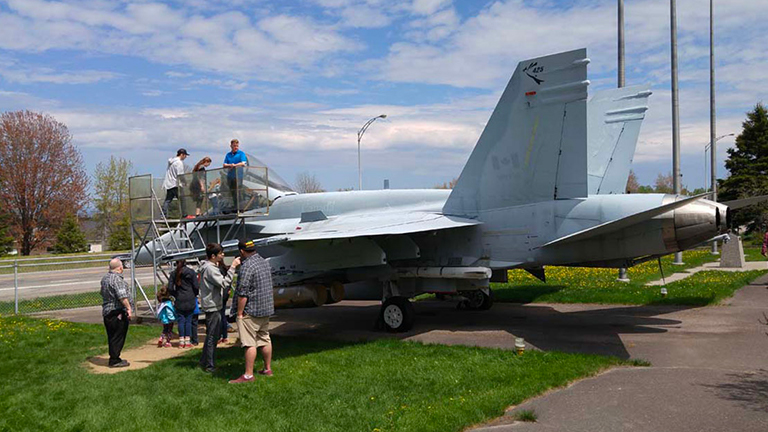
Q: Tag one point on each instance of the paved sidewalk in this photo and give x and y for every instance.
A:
(709, 373)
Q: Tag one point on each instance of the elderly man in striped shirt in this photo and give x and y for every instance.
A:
(255, 304)
(116, 311)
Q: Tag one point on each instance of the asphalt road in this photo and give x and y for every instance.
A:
(56, 282)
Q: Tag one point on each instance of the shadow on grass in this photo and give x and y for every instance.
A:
(230, 361)
(549, 328)
(525, 293)
(695, 301)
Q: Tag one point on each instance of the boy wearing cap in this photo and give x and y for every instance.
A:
(255, 304)
(171, 181)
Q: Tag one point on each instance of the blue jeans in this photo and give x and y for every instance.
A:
(185, 324)
(224, 321)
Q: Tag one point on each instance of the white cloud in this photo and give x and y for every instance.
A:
(428, 7)
(225, 84)
(174, 74)
(269, 47)
(153, 93)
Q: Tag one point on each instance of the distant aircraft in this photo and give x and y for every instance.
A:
(543, 186)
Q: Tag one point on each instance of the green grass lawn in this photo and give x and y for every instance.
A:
(598, 285)
(55, 302)
(386, 385)
(589, 285)
(753, 254)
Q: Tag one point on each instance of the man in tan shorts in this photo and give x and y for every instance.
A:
(255, 304)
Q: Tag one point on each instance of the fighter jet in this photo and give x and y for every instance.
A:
(536, 191)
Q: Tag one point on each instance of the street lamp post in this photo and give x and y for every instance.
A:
(359, 138)
(675, 110)
(708, 147)
(713, 153)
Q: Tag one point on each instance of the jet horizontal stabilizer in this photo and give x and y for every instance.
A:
(622, 223)
(740, 203)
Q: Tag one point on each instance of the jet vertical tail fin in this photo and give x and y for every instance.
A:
(534, 147)
(614, 118)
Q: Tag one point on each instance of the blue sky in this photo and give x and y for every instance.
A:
(294, 80)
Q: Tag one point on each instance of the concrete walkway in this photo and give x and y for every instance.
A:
(709, 373)
(749, 265)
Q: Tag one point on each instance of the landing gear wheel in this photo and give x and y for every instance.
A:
(477, 300)
(397, 314)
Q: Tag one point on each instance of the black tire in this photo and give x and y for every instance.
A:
(487, 300)
(397, 314)
(477, 300)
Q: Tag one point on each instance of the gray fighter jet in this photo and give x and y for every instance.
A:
(543, 187)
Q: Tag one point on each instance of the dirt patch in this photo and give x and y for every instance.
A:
(146, 354)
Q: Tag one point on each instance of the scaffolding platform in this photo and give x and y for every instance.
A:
(212, 206)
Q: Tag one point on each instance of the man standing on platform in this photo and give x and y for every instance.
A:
(116, 311)
(171, 181)
(235, 160)
(255, 304)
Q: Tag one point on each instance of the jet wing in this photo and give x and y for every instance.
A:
(349, 226)
(376, 224)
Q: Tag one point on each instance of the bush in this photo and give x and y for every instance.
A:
(70, 238)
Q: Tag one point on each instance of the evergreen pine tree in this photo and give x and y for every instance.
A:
(748, 165)
(120, 238)
(6, 241)
(70, 238)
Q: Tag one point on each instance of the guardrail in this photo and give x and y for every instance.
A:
(57, 301)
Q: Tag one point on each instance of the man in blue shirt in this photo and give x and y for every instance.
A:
(235, 161)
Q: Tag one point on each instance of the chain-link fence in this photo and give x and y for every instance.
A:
(31, 285)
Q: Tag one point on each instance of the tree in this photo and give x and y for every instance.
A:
(448, 185)
(6, 241)
(664, 184)
(632, 184)
(70, 238)
(42, 179)
(308, 183)
(111, 196)
(748, 165)
(120, 238)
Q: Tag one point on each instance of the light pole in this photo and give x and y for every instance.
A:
(675, 110)
(708, 147)
(712, 128)
(621, 82)
(359, 138)
(621, 43)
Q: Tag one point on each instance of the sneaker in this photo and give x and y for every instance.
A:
(167, 344)
(121, 364)
(241, 379)
(265, 372)
(160, 342)
(225, 340)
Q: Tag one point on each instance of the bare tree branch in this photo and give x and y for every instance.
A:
(43, 178)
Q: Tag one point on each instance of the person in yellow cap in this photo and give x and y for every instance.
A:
(255, 304)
